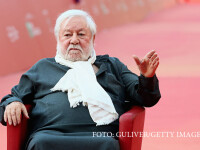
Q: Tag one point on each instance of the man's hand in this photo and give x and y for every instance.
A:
(13, 111)
(148, 64)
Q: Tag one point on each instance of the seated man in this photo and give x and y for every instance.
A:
(78, 93)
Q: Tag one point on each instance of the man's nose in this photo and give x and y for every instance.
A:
(74, 39)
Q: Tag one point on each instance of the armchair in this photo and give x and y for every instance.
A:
(131, 121)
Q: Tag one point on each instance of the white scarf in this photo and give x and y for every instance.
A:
(81, 84)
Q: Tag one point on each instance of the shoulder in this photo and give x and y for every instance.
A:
(107, 58)
(45, 61)
(114, 61)
(41, 64)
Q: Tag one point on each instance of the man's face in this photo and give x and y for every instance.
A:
(75, 39)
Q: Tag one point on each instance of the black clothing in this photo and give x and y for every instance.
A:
(51, 114)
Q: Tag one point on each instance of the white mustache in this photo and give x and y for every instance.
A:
(71, 46)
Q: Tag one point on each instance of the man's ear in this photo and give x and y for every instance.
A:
(93, 39)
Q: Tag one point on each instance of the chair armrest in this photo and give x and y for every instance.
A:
(16, 135)
(129, 123)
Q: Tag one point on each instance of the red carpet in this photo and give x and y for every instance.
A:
(175, 34)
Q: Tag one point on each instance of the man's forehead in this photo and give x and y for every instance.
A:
(68, 29)
(78, 21)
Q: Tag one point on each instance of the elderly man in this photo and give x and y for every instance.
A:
(78, 93)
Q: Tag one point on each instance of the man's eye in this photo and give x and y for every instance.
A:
(81, 34)
(67, 35)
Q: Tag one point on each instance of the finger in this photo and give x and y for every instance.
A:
(153, 57)
(9, 117)
(13, 117)
(5, 116)
(18, 115)
(155, 60)
(25, 111)
(156, 64)
(137, 60)
(149, 54)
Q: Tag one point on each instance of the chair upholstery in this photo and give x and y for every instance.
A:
(16, 135)
(131, 121)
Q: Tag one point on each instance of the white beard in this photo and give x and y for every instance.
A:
(83, 56)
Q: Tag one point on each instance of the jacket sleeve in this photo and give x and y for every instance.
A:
(139, 89)
(23, 92)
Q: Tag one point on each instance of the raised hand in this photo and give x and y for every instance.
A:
(148, 64)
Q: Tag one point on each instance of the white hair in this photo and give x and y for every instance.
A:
(71, 13)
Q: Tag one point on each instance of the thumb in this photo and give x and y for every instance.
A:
(137, 60)
(25, 112)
